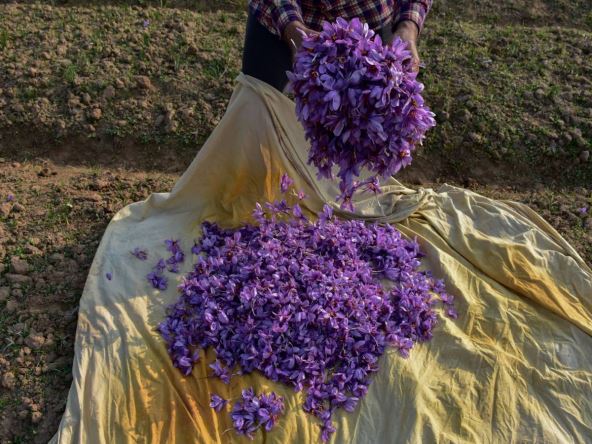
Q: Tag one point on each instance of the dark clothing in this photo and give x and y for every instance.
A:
(267, 57)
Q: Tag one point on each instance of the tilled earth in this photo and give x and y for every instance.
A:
(101, 106)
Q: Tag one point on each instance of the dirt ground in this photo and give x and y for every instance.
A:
(102, 105)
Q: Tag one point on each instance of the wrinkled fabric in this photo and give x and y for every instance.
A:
(516, 366)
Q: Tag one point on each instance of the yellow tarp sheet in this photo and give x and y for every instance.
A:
(516, 366)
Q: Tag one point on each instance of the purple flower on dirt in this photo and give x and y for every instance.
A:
(303, 303)
(217, 403)
(109, 275)
(360, 104)
(146, 23)
(583, 211)
(10, 197)
(139, 253)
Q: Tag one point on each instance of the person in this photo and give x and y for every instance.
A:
(273, 29)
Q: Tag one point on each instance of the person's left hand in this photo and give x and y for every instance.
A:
(408, 32)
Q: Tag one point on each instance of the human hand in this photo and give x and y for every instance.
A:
(294, 34)
(408, 32)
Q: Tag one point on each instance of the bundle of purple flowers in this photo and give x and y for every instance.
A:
(360, 104)
(303, 303)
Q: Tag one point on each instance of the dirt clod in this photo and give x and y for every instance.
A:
(18, 265)
(109, 92)
(35, 341)
(4, 293)
(95, 114)
(11, 306)
(8, 380)
(144, 82)
(36, 417)
(17, 278)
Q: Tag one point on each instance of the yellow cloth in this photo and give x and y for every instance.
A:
(516, 366)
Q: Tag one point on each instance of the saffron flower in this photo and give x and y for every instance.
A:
(360, 104)
(156, 277)
(177, 255)
(157, 280)
(220, 372)
(139, 253)
(304, 303)
(285, 182)
(217, 403)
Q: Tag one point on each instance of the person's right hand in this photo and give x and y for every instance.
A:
(293, 35)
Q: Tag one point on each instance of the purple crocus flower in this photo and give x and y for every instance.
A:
(285, 183)
(109, 275)
(139, 253)
(220, 372)
(157, 280)
(217, 403)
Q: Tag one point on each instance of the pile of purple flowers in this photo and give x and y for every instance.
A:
(310, 304)
(360, 104)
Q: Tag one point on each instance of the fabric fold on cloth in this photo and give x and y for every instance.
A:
(515, 366)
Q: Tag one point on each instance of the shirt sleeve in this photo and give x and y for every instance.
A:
(279, 12)
(414, 10)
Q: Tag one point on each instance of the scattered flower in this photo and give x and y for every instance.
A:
(217, 403)
(146, 23)
(285, 183)
(157, 280)
(140, 253)
(177, 255)
(10, 197)
(583, 211)
(109, 275)
(156, 277)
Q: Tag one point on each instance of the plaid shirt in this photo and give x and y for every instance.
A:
(276, 14)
